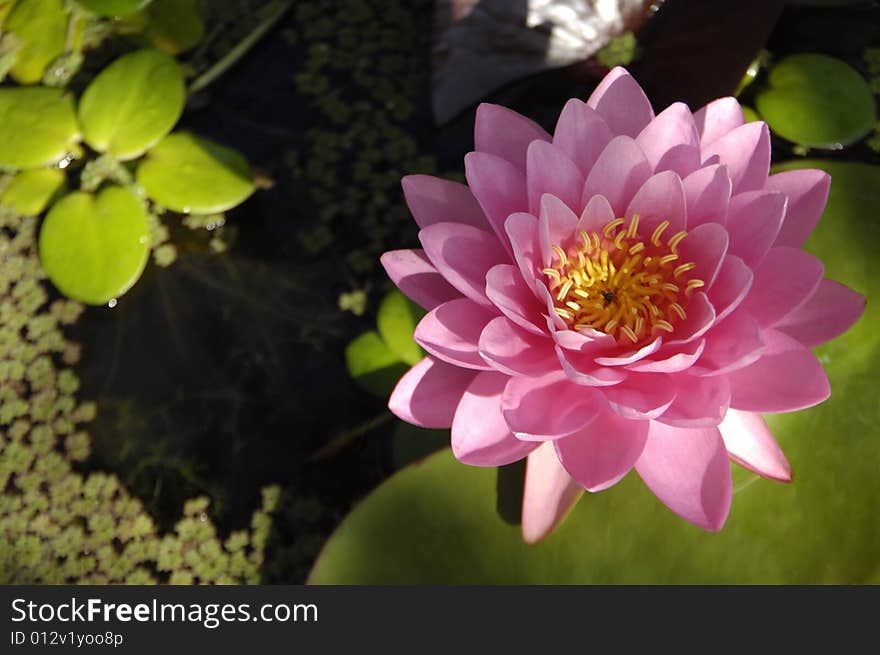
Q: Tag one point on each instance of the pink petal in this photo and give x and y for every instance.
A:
(681, 159)
(429, 392)
(581, 134)
(705, 246)
(499, 187)
(827, 314)
(674, 126)
(602, 453)
(732, 345)
(671, 360)
(452, 331)
(554, 321)
(549, 407)
(633, 355)
(689, 472)
(522, 230)
(700, 317)
(508, 292)
(622, 103)
(641, 396)
(480, 436)
(505, 133)
(548, 495)
(750, 443)
(787, 378)
(549, 170)
(807, 192)
(618, 173)
(718, 118)
(415, 275)
(586, 340)
(514, 351)
(556, 226)
(463, 255)
(660, 198)
(753, 222)
(785, 280)
(434, 200)
(746, 152)
(707, 191)
(700, 402)
(596, 215)
(581, 369)
(731, 286)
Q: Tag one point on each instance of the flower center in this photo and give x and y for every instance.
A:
(617, 282)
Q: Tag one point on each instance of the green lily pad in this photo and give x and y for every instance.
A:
(397, 319)
(37, 127)
(437, 522)
(95, 247)
(174, 25)
(193, 175)
(817, 101)
(373, 365)
(41, 27)
(750, 114)
(113, 7)
(132, 104)
(30, 191)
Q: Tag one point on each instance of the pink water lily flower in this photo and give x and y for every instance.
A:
(629, 292)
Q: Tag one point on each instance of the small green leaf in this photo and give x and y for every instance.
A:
(750, 114)
(132, 104)
(37, 127)
(30, 191)
(41, 27)
(192, 175)
(372, 365)
(396, 320)
(94, 248)
(817, 101)
(113, 7)
(174, 25)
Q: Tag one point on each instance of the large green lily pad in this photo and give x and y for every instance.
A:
(437, 522)
(817, 101)
(132, 104)
(30, 191)
(41, 26)
(193, 175)
(114, 7)
(37, 127)
(95, 247)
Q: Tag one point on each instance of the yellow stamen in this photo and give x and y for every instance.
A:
(563, 259)
(655, 238)
(611, 226)
(675, 240)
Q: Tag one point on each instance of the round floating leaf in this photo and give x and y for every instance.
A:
(193, 175)
(132, 104)
(41, 27)
(438, 522)
(94, 248)
(372, 364)
(30, 191)
(175, 25)
(750, 114)
(396, 320)
(817, 101)
(37, 127)
(113, 7)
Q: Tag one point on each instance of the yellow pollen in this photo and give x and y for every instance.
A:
(615, 280)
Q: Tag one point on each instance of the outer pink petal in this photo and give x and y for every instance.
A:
(415, 275)
(556, 226)
(507, 290)
(718, 118)
(671, 360)
(807, 192)
(622, 103)
(660, 198)
(602, 453)
(581, 134)
(522, 230)
(548, 495)
(452, 331)
(707, 191)
(641, 396)
(549, 407)
(732, 345)
(480, 437)
(689, 472)
(750, 443)
(787, 378)
(463, 255)
(434, 200)
(753, 222)
(674, 126)
(705, 246)
(731, 286)
(618, 173)
(700, 402)
(514, 351)
(700, 317)
(682, 159)
(827, 314)
(746, 152)
(499, 187)
(549, 170)
(505, 133)
(429, 392)
(785, 280)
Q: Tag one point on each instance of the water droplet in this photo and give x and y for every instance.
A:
(112, 303)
